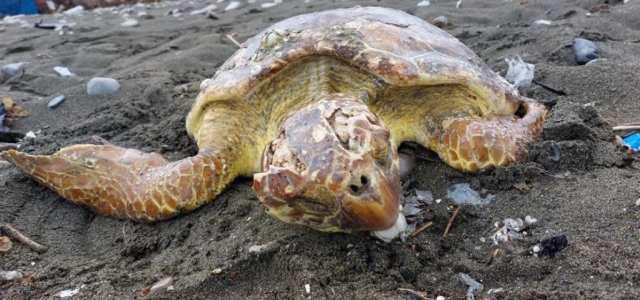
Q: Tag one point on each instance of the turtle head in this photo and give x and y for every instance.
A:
(333, 168)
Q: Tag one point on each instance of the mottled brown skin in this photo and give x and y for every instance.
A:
(314, 108)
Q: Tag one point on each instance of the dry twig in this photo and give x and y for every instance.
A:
(417, 294)
(230, 37)
(421, 228)
(627, 127)
(455, 214)
(14, 233)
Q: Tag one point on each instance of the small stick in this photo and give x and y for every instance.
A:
(234, 41)
(455, 214)
(14, 233)
(626, 127)
(417, 294)
(421, 228)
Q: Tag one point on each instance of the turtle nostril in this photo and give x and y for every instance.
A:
(358, 187)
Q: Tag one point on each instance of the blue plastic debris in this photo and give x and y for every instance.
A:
(632, 141)
(18, 7)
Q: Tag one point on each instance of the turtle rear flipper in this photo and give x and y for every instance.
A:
(125, 182)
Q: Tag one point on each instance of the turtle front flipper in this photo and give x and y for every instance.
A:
(477, 143)
(125, 182)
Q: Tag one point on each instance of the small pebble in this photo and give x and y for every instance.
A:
(213, 16)
(204, 10)
(440, 298)
(307, 288)
(14, 69)
(130, 23)
(424, 3)
(74, 11)
(232, 5)
(144, 15)
(56, 101)
(638, 202)
(536, 249)
(10, 275)
(162, 284)
(542, 22)
(267, 5)
(100, 86)
(585, 51)
(440, 21)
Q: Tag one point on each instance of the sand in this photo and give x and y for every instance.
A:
(589, 195)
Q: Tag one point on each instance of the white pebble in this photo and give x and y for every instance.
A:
(536, 249)
(438, 200)
(424, 3)
(482, 240)
(56, 101)
(74, 11)
(232, 5)
(530, 220)
(12, 70)
(130, 23)
(267, 5)
(68, 293)
(440, 298)
(307, 288)
(542, 22)
(161, 285)
(10, 275)
(204, 10)
(100, 86)
(638, 202)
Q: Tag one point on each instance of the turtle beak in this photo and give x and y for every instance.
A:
(371, 203)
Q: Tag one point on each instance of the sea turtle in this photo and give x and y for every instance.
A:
(314, 108)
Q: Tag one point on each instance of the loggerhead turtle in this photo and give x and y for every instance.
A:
(314, 108)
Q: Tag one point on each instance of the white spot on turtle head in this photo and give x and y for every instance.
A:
(318, 133)
(256, 70)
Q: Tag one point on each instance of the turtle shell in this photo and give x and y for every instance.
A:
(399, 48)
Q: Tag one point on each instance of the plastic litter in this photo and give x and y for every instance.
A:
(413, 204)
(462, 194)
(632, 142)
(63, 71)
(474, 286)
(520, 74)
(388, 235)
(512, 229)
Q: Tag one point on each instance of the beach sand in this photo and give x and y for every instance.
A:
(589, 195)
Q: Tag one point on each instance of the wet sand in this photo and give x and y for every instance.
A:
(589, 195)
